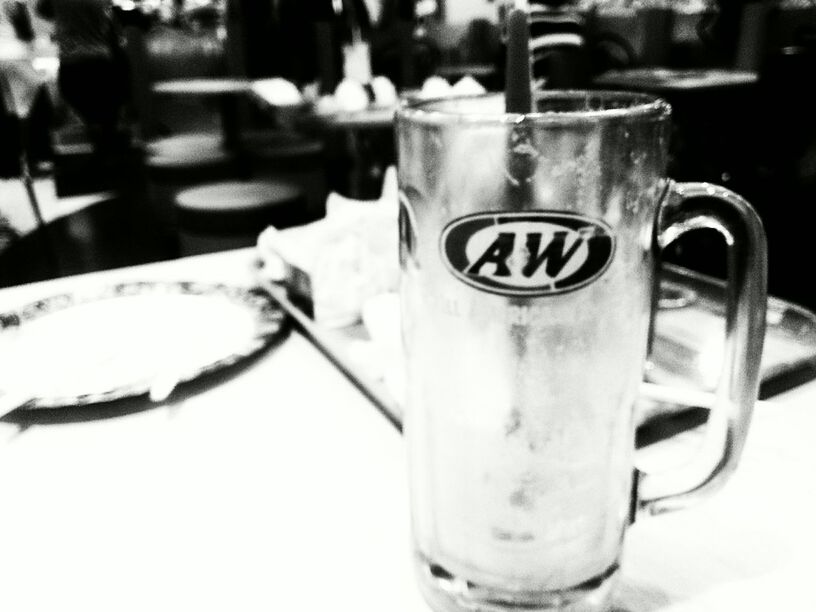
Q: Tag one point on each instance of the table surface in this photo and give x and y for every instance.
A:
(667, 79)
(203, 86)
(461, 70)
(282, 487)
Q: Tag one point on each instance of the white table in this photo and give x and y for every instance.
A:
(283, 489)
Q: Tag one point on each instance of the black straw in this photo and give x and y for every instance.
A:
(518, 94)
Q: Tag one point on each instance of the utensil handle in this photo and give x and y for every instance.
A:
(333, 351)
(691, 206)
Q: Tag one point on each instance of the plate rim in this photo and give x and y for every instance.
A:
(269, 321)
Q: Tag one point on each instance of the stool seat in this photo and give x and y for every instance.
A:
(186, 150)
(237, 196)
(231, 214)
(178, 162)
(292, 157)
(182, 144)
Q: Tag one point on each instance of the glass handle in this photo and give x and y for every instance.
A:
(703, 205)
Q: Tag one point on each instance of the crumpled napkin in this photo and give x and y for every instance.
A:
(343, 260)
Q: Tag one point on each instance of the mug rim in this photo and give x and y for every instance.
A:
(638, 106)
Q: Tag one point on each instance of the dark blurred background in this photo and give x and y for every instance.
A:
(756, 136)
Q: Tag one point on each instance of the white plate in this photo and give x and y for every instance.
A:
(122, 340)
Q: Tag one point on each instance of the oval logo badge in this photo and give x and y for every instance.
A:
(527, 254)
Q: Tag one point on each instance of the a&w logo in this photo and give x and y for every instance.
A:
(527, 254)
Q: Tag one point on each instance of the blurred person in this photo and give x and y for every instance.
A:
(352, 39)
(559, 48)
(402, 48)
(558, 45)
(23, 124)
(93, 74)
(309, 38)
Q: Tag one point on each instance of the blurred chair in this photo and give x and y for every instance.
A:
(231, 214)
(179, 146)
(178, 138)
(164, 53)
(19, 87)
(180, 162)
(292, 158)
(75, 168)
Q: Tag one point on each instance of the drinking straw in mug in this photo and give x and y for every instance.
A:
(518, 94)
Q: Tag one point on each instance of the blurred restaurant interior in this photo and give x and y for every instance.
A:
(205, 98)
(169, 173)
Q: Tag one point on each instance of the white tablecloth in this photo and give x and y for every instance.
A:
(283, 488)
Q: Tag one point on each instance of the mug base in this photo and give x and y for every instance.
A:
(445, 592)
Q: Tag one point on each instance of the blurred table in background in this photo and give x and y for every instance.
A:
(668, 80)
(225, 90)
(112, 233)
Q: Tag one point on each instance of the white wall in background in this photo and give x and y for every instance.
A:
(463, 11)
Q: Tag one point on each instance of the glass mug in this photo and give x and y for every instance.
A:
(529, 254)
